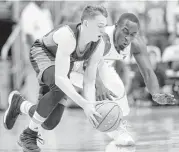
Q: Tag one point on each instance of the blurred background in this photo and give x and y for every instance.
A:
(22, 22)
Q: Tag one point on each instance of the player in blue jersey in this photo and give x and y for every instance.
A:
(52, 58)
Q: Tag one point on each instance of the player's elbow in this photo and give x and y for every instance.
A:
(59, 80)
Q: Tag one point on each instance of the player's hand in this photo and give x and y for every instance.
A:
(102, 93)
(164, 98)
(91, 113)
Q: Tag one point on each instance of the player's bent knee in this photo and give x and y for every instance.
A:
(49, 126)
(32, 110)
(54, 118)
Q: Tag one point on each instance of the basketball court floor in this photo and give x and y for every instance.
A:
(154, 129)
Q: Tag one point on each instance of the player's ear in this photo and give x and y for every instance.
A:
(85, 23)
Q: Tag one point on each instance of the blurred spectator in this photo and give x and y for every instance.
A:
(36, 21)
(173, 21)
(6, 26)
(175, 85)
(157, 33)
(171, 58)
(6, 22)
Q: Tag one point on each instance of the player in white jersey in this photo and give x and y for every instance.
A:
(125, 40)
(111, 80)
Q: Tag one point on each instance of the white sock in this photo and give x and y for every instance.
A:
(36, 122)
(34, 126)
(25, 106)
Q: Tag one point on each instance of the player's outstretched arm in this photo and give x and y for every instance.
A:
(66, 46)
(139, 50)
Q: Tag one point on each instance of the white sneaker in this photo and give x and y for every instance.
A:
(123, 138)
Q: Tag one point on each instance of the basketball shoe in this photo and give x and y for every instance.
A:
(28, 141)
(11, 114)
(121, 136)
(124, 138)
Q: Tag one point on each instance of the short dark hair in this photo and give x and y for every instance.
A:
(91, 11)
(128, 16)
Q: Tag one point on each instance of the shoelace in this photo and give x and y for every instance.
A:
(40, 140)
(21, 96)
(16, 110)
(32, 138)
(125, 125)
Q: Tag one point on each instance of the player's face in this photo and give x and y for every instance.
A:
(125, 34)
(95, 27)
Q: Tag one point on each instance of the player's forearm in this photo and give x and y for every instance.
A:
(98, 80)
(151, 82)
(89, 91)
(126, 78)
(65, 85)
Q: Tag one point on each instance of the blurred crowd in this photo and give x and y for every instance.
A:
(159, 26)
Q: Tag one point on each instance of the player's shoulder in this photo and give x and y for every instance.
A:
(64, 32)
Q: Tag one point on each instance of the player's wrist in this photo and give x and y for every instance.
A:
(84, 104)
(155, 93)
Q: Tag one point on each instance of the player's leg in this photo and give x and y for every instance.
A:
(113, 82)
(18, 105)
(45, 106)
(43, 63)
(55, 116)
(53, 119)
(122, 136)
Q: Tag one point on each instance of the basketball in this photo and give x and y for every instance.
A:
(111, 115)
